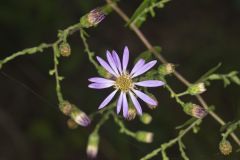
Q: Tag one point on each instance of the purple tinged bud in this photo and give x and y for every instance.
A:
(92, 146)
(131, 113)
(80, 117)
(195, 110)
(95, 16)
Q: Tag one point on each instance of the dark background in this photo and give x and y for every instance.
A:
(194, 34)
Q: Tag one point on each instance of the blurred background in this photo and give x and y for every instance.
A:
(196, 35)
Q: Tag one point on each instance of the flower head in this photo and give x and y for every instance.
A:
(124, 81)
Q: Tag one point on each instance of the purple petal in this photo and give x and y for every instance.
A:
(145, 97)
(100, 85)
(107, 100)
(138, 65)
(106, 66)
(119, 103)
(136, 103)
(125, 105)
(112, 62)
(144, 68)
(150, 83)
(100, 80)
(125, 58)
(117, 61)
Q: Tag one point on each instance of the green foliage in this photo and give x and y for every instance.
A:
(227, 79)
(145, 8)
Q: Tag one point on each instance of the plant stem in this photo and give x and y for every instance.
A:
(163, 60)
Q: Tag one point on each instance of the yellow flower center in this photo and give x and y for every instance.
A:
(124, 83)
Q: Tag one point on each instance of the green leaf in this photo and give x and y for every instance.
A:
(208, 73)
(146, 7)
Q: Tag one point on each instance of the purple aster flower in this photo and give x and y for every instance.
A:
(123, 81)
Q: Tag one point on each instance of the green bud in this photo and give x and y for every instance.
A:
(166, 69)
(65, 49)
(146, 118)
(92, 146)
(144, 136)
(225, 147)
(196, 89)
(194, 110)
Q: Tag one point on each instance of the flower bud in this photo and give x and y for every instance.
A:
(72, 124)
(80, 117)
(196, 89)
(225, 147)
(131, 113)
(92, 18)
(92, 146)
(194, 110)
(65, 49)
(166, 69)
(144, 136)
(146, 118)
(66, 107)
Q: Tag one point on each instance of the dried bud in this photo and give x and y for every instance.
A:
(80, 117)
(196, 89)
(144, 136)
(92, 147)
(92, 18)
(131, 113)
(146, 118)
(225, 147)
(66, 107)
(194, 110)
(72, 124)
(65, 49)
(166, 69)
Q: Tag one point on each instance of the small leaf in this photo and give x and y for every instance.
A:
(208, 73)
(51, 72)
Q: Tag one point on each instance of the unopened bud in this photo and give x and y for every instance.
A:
(196, 89)
(131, 113)
(225, 147)
(66, 107)
(144, 136)
(92, 18)
(72, 124)
(146, 118)
(194, 110)
(92, 147)
(166, 69)
(65, 49)
(80, 117)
